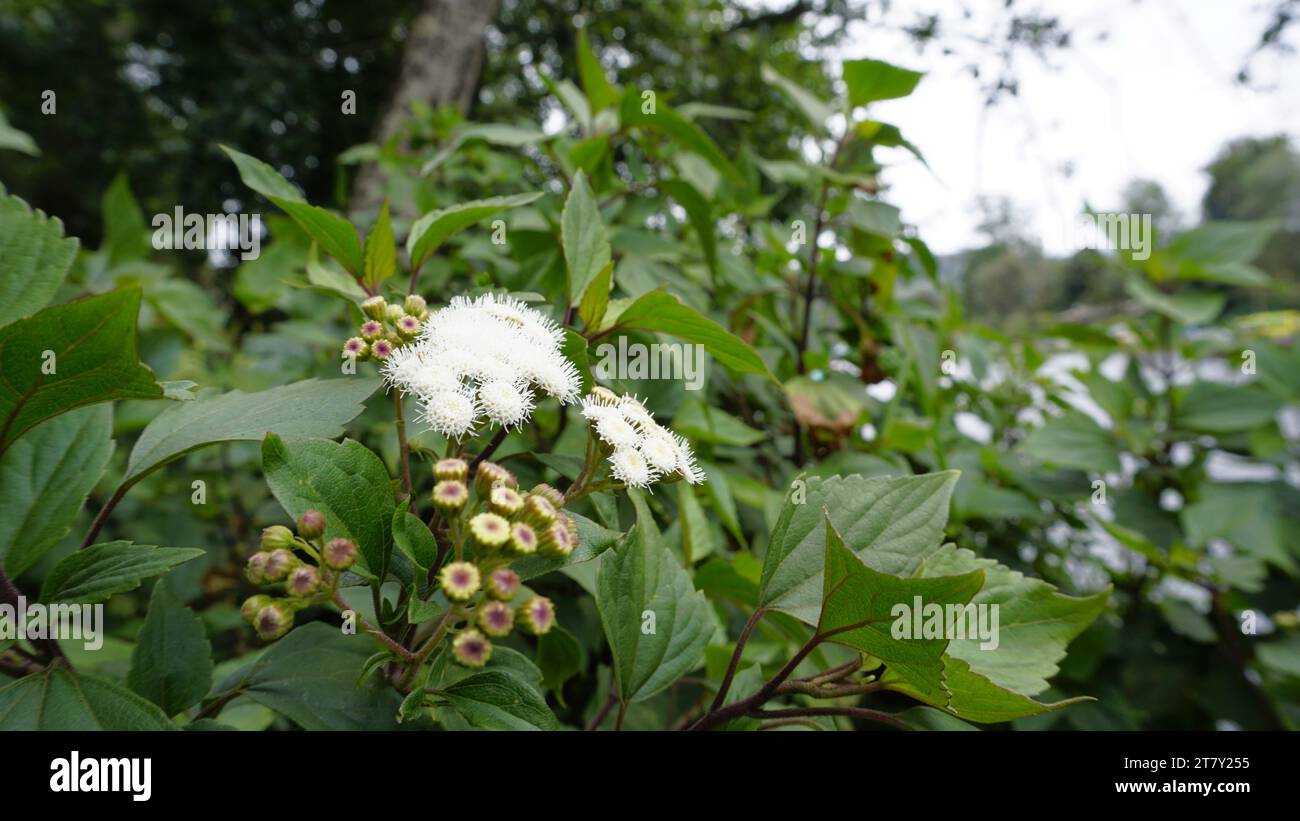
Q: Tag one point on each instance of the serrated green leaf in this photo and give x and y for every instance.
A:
(60, 699)
(1211, 407)
(661, 311)
(493, 700)
(683, 132)
(34, 258)
(335, 235)
(582, 233)
(595, 301)
(15, 140)
(433, 229)
(1073, 440)
(559, 657)
(171, 664)
(95, 573)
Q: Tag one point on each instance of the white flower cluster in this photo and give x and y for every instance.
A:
(644, 451)
(482, 357)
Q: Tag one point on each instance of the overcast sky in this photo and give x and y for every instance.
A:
(1155, 99)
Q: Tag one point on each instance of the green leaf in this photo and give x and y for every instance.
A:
(871, 80)
(433, 229)
(15, 140)
(44, 480)
(600, 92)
(1212, 407)
(683, 132)
(975, 698)
(191, 310)
(413, 537)
(310, 677)
(699, 539)
(171, 664)
(60, 699)
(657, 624)
(586, 246)
(93, 342)
(1073, 440)
(892, 523)
(346, 482)
(262, 178)
(596, 300)
(335, 235)
(312, 408)
(493, 700)
(1215, 243)
(816, 110)
(559, 656)
(661, 311)
(34, 258)
(861, 607)
(380, 251)
(703, 423)
(126, 234)
(95, 573)
(324, 277)
(1186, 307)
(700, 214)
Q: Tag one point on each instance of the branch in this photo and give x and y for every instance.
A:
(850, 712)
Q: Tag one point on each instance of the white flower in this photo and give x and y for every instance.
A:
(483, 357)
(643, 451)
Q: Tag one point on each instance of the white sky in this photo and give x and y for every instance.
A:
(1155, 100)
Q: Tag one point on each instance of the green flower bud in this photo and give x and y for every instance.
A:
(302, 581)
(601, 392)
(311, 524)
(495, 619)
(506, 502)
(490, 475)
(489, 532)
(376, 308)
(537, 616)
(408, 327)
(503, 584)
(451, 470)
(279, 563)
(273, 620)
(459, 580)
(450, 496)
(393, 313)
(550, 494)
(539, 512)
(339, 554)
(255, 570)
(249, 609)
(356, 348)
(555, 541)
(276, 537)
(381, 349)
(415, 306)
(471, 648)
(523, 540)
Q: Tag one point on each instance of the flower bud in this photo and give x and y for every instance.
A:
(339, 554)
(459, 580)
(356, 348)
(279, 563)
(415, 305)
(393, 313)
(255, 570)
(523, 540)
(381, 349)
(451, 470)
(276, 537)
(537, 616)
(408, 327)
(450, 496)
(539, 512)
(489, 532)
(373, 329)
(556, 541)
(376, 307)
(601, 392)
(505, 501)
(273, 620)
(495, 619)
(311, 524)
(490, 475)
(503, 584)
(550, 494)
(471, 648)
(249, 609)
(303, 581)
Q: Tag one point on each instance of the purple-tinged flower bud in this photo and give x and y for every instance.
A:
(339, 554)
(393, 313)
(550, 494)
(503, 584)
(539, 512)
(376, 307)
(489, 532)
(273, 620)
(276, 537)
(356, 348)
(471, 648)
(311, 524)
(571, 526)
(490, 475)
(255, 570)
(505, 501)
(408, 327)
(303, 581)
(556, 542)
(415, 305)
(382, 349)
(537, 616)
(450, 496)
(459, 580)
(523, 540)
(279, 563)
(451, 470)
(249, 609)
(372, 329)
(495, 619)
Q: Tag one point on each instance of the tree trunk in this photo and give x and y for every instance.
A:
(440, 66)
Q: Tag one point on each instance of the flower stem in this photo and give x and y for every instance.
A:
(404, 448)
